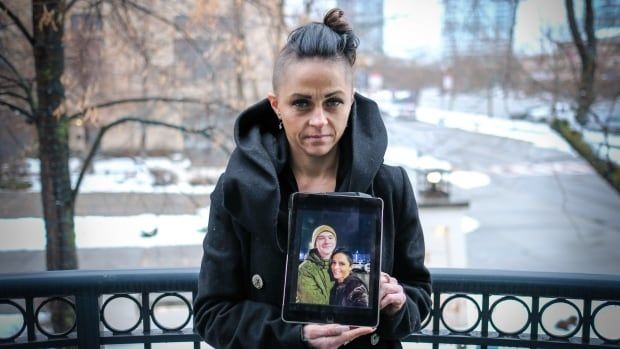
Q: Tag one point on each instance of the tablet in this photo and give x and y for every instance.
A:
(333, 259)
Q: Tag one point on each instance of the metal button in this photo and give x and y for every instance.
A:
(374, 339)
(257, 281)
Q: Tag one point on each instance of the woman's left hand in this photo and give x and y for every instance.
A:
(392, 297)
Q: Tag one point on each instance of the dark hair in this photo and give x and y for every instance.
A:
(344, 252)
(332, 39)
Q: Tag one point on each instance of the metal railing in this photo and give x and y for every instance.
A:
(469, 307)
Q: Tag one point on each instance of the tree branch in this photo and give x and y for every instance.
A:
(206, 132)
(574, 30)
(9, 79)
(176, 27)
(589, 25)
(14, 70)
(17, 22)
(20, 81)
(29, 117)
(135, 100)
(14, 95)
(565, 51)
(70, 5)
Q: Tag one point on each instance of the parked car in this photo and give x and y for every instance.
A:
(397, 104)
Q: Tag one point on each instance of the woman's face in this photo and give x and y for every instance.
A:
(325, 244)
(313, 101)
(341, 268)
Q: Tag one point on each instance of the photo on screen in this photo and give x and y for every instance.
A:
(333, 259)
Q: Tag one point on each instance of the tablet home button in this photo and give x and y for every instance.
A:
(257, 281)
(374, 339)
(330, 319)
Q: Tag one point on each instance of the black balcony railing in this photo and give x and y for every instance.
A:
(593, 300)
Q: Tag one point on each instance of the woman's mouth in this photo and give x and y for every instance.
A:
(317, 137)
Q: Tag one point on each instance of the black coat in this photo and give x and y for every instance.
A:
(241, 281)
(352, 292)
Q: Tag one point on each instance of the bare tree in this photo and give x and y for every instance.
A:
(37, 86)
(586, 50)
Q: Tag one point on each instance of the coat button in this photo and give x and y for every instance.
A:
(374, 339)
(257, 281)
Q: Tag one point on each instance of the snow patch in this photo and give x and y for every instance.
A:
(145, 230)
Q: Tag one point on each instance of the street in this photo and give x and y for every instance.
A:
(543, 210)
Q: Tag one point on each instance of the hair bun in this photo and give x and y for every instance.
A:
(334, 19)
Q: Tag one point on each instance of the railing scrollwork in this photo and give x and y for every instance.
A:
(472, 307)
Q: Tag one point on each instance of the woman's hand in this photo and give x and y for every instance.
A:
(332, 336)
(392, 297)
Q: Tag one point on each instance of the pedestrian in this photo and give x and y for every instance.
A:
(313, 134)
(314, 282)
(350, 290)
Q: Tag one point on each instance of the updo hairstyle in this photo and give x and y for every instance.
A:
(333, 39)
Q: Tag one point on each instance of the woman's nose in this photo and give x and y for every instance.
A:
(318, 118)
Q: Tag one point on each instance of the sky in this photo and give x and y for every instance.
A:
(413, 27)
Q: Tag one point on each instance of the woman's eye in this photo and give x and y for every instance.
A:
(301, 103)
(333, 102)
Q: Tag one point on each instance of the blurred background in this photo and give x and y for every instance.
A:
(117, 119)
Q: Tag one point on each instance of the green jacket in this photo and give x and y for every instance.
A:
(314, 283)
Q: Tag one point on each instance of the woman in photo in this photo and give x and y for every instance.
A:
(349, 291)
(313, 281)
(312, 134)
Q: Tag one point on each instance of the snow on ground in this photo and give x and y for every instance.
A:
(539, 134)
(139, 175)
(146, 230)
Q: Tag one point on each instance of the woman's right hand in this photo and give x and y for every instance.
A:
(333, 336)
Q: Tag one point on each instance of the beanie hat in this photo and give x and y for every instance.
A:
(322, 229)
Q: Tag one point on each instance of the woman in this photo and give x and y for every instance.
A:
(313, 134)
(349, 290)
(314, 282)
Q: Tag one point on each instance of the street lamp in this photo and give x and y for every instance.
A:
(435, 183)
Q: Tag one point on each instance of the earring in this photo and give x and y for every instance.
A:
(280, 125)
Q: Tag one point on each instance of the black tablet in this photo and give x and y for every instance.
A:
(333, 259)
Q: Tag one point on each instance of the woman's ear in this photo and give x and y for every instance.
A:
(273, 101)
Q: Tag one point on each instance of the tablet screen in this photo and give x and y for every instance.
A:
(333, 261)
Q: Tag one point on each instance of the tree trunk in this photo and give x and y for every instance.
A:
(587, 55)
(586, 90)
(507, 81)
(239, 17)
(53, 135)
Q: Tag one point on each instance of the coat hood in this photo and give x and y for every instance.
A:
(251, 191)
